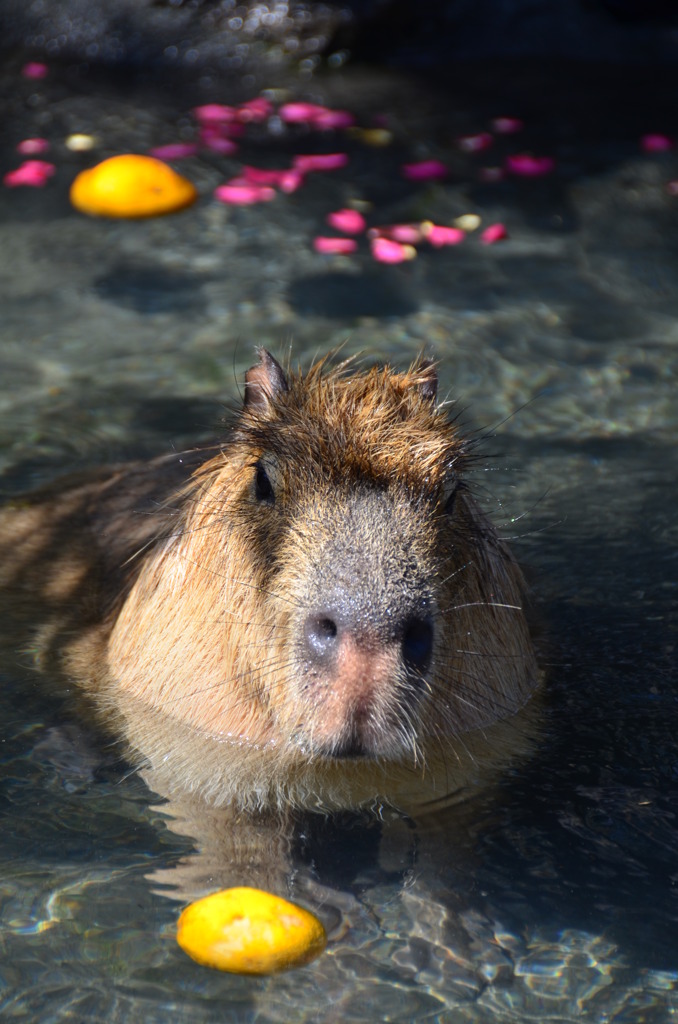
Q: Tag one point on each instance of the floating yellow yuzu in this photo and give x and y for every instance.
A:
(131, 186)
(248, 931)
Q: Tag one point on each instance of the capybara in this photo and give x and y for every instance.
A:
(313, 614)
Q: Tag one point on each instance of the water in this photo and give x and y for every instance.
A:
(553, 898)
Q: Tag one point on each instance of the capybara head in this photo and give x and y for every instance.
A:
(334, 598)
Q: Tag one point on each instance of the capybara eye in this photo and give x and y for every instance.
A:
(263, 489)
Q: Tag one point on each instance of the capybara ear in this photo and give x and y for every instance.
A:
(264, 381)
(425, 370)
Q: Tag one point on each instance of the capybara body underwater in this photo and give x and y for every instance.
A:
(313, 614)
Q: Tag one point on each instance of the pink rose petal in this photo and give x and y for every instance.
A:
(287, 180)
(35, 173)
(30, 147)
(34, 69)
(215, 113)
(263, 175)
(387, 251)
(174, 151)
(255, 110)
(655, 143)
(300, 113)
(227, 130)
(329, 120)
(493, 233)
(217, 143)
(424, 170)
(507, 125)
(291, 180)
(525, 165)
(237, 194)
(349, 221)
(475, 143)
(341, 246)
(440, 235)
(408, 234)
(306, 162)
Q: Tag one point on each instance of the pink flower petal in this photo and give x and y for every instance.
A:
(424, 170)
(215, 113)
(527, 166)
(341, 246)
(349, 221)
(387, 251)
(408, 234)
(493, 233)
(30, 147)
(35, 173)
(655, 143)
(291, 180)
(226, 130)
(507, 125)
(34, 69)
(475, 143)
(672, 188)
(174, 151)
(329, 120)
(440, 235)
(263, 175)
(319, 162)
(217, 143)
(300, 113)
(287, 180)
(255, 110)
(237, 194)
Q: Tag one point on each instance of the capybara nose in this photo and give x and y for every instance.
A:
(326, 631)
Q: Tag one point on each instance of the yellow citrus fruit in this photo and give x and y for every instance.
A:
(131, 186)
(248, 931)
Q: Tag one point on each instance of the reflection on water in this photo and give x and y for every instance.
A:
(554, 898)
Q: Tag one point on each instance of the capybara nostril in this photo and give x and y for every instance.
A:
(417, 643)
(321, 637)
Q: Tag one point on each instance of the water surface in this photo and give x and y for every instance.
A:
(555, 898)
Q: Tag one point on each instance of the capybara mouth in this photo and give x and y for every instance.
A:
(351, 749)
(373, 729)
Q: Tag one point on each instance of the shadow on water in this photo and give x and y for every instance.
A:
(587, 838)
(151, 290)
(349, 296)
(155, 425)
(589, 834)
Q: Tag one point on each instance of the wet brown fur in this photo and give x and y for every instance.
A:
(175, 598)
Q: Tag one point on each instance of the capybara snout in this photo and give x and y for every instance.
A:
(365, 626)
